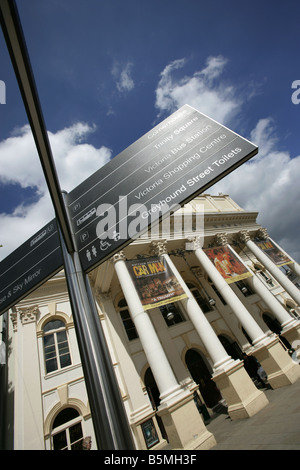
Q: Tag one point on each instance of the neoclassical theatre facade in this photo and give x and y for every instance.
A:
(179, 310)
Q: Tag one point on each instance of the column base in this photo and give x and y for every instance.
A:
(242, 397)
(292, 334)
(184, 425)
(280, 368)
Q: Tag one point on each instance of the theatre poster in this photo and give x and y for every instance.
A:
(227, 263)
(273, 252)
(155, 282)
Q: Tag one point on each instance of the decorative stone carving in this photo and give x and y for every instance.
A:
(159, 248)
(103, 295)
(220, 239)
(243, 236)
(262, 233)
(194, 243)
(14, 320)
(120, 256)
(28, 314)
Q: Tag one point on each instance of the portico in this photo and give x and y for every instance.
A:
(160, 348)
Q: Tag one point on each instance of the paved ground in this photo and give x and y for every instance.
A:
(276, 427)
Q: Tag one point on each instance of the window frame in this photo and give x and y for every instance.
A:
(56, 345)
(195, 290)
(65, 427)
(178, 314)
(241, 285)
(121, 310)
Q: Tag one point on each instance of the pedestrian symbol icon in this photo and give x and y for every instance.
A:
(89, 254)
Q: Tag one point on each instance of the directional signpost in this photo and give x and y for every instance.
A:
(111, 427)
(30, 265)
(174, 162)
(178, 159)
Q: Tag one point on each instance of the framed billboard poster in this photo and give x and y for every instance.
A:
(227, 263)
(274, 253)
(154, 281)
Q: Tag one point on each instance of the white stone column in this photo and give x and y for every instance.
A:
(204, 329)
(286, 320)
(290, 326)
(290, 288)
(281, 370)
(28, 396)
(177, 406)
(247, 321)
(294, 265)
(241, 395)
(158, 362)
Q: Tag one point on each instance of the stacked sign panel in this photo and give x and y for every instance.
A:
(30, 265)
(164, 169)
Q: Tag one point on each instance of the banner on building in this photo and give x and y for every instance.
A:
(273, 252)
(227, 263)
(155, 282)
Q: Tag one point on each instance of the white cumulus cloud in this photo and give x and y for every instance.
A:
(269, 183)
(201, 90)
(20, 165)
(122, 75)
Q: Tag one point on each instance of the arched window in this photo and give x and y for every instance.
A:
(153, 394)
(231, 347)
(127, 321)
(56, 346)
(152, 389)
(274, 325)
(202, 376)
(247, 336)
(67, 430)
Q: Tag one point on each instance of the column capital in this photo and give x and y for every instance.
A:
(220, 239)
(99, 294)
(243, 236)
(14, 320)
(28, 314)
(262, 233)
(159, 247)
(194, 243)
(120, 256)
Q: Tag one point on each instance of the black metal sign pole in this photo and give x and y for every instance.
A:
(109, 418)
(111, 427)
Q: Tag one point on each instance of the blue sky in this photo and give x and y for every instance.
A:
(108, 71)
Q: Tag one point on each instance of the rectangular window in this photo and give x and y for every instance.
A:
(203, 303)
(171, 313)
(50, 353)
(56, 349)
(63, 348)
